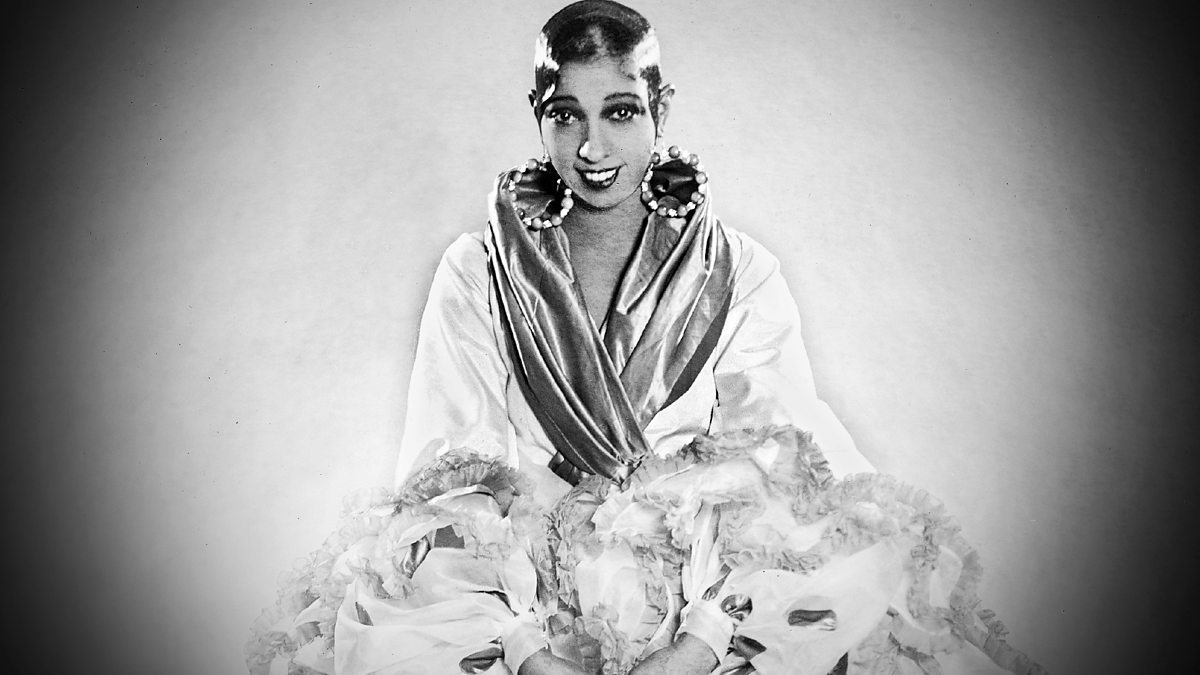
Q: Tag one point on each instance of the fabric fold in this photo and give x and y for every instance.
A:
(593, 395)
(459, 572)
(813, 573)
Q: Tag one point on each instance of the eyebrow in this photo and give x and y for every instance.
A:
(611, 97)
(556, 99)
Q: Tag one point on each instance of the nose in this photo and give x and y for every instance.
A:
(593, 149)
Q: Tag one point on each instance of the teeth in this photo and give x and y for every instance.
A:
(599, 176)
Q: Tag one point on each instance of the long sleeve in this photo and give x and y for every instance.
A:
(762, 371)
(456, 396)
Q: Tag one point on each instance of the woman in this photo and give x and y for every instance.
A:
(601, 118)
(547, 520)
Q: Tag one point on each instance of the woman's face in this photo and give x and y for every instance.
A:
(598, 131)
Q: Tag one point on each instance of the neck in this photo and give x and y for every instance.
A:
(600, 246)
(606, 225)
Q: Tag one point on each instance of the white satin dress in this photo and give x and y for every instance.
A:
(463, 392)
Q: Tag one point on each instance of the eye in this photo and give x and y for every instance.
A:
(623, 113)
(561, 116)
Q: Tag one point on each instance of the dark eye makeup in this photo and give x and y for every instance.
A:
(623, 112)
(626, 111)
(561, 115)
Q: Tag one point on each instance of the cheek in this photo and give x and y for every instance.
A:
(638, 141)
(559, 140)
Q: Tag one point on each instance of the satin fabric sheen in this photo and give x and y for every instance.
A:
(594, 394)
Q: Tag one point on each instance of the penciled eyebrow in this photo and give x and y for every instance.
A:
(623, 95)
(560, 99)
(618, 96)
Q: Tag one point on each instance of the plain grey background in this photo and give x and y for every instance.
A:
(221, 219)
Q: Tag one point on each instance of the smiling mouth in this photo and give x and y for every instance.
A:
(599, 180)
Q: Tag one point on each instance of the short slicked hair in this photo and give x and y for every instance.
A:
(591, 29)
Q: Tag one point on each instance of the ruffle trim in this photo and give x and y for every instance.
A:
(368, 545)
(872, 504)
(462, 468)
(766, 485)
(774, 505)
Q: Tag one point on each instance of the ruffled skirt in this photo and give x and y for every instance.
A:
(452, 572)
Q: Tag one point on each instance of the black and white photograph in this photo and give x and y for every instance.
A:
(651, 337)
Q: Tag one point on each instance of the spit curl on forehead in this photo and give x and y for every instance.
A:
(589, 30)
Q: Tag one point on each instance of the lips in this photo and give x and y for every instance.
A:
(599, 180)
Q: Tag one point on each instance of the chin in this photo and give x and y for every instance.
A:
(602, 200)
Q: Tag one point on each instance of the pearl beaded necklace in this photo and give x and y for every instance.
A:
(539, 222)
(697, 196)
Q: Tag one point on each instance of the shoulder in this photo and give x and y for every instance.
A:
(753, 264)
(464, 265)
(467, 253)
(466, 257)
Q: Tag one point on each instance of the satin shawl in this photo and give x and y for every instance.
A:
(594, 394)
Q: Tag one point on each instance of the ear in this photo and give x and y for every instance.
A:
(665, 93)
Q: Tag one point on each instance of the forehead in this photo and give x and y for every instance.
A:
(599, 78)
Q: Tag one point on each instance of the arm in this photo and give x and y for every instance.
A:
(762, 371)
(456, 393)
(686, 656)
(545, 663)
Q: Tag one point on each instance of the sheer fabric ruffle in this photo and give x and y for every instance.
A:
(424, 579)
(459, 571)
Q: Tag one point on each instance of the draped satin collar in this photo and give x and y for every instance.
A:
(592, 392)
